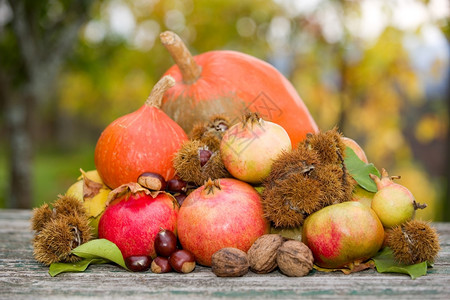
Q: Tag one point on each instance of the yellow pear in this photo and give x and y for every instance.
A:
(76, 190)
(92, 175)
(96, 205)
(90, 190)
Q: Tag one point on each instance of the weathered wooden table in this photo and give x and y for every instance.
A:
(21, 277)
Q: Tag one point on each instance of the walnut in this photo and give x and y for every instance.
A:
(229, 262)
(262, 254)
(294, 258)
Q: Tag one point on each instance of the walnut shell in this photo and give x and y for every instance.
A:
(294, 258)
(262, 254)
(229, 262)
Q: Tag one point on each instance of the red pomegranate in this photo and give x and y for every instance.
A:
(134, 217)
(222, 213)
(232, 83)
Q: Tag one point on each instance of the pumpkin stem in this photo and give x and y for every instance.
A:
(190, 70)
(158, 91)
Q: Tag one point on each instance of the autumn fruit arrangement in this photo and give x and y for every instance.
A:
(198, 175)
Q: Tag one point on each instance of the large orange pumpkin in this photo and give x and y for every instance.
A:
(232, 83)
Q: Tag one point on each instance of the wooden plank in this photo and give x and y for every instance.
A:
(21, 277)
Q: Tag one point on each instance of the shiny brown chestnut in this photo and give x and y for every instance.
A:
(180, 198)
(204, 155)
(161, 265)
(165, 243)
(182, 261)
(139, 263)
(152, 181)
(176, 185)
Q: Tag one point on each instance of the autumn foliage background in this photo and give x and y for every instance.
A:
(377, 69)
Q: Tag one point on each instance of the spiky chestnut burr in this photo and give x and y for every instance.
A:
(337, 184)
(328, 145)
(289, 193)
(64, 205)
(289, 201)
(41, 215)
(414, 242)
(59, 230)
(301, 183)
(59, 237)
(211, 132)
(67, 205)
(330, 148)
(300, 160)
(193, 164)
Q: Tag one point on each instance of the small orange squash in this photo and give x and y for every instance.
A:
(142, 141)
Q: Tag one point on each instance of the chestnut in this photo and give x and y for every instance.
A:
(165, 243)
(152, 181)
(182, 261)
(161, 265)
(180, 198)
(204, 155)
(176, 185)
(222, 126)
(138, 263)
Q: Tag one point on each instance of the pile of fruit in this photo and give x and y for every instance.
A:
(245, 190)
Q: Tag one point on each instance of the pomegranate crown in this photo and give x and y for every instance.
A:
(251, 118)
(385, 179)
(212, 185)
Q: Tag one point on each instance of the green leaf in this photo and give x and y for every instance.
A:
(100, 248)
(385, 263)
(98, 251)
(360, 170)
(259, 189)
(57, 268)
(294, 233)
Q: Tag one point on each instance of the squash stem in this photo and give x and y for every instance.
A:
(189, 69)
(157, 93)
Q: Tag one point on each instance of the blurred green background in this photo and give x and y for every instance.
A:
(378, 69)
